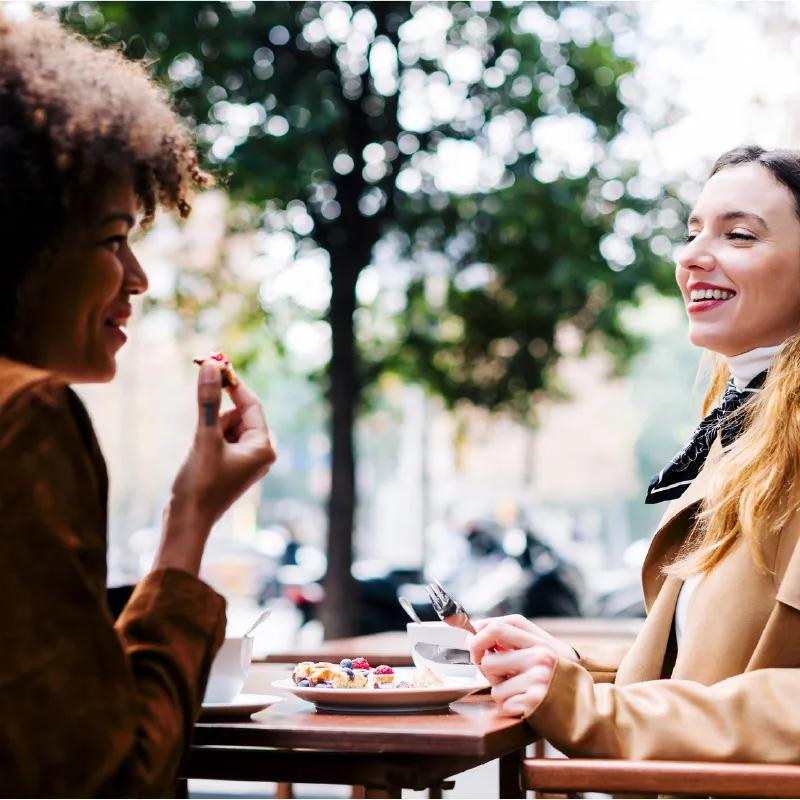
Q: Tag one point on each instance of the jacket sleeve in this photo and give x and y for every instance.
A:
(743, 718)
(601, 661)
(89, 708)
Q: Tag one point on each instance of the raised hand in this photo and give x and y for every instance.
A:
(229, 454)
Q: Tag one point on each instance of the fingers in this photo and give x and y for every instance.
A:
(242, 396)
(518, 621)
(498, 667)
(521, 679)
(254, 426)
(499, 635)
(519, 684)
(231, 424)
(523, 705)
(209, 396)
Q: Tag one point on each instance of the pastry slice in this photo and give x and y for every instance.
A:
(229, 378)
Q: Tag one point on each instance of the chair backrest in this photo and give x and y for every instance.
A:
(692, 778)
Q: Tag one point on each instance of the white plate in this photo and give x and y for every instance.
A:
(241, 706)
(383, 701)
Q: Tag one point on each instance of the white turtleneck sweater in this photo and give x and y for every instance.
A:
(744, 368)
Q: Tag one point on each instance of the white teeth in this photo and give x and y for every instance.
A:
(710, 294)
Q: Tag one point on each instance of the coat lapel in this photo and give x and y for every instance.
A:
(646, 659)
(675, 526)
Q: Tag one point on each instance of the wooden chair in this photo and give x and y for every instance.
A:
(570, 776)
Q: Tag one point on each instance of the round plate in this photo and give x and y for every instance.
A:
(241, 706)
(385, 701)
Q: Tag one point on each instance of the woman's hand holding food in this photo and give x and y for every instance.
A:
(518, 659)
(230, 452)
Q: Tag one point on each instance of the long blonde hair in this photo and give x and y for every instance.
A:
(755, 489)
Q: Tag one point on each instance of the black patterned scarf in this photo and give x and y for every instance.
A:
(675, 478)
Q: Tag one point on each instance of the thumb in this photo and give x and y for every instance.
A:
(209, 397)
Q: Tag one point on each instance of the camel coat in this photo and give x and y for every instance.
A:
(730, 694)
(89, 707)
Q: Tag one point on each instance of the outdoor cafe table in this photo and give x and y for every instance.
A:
(290, 742)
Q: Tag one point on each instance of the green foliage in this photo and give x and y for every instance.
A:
(279, 92)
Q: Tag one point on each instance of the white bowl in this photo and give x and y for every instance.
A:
(438, 633)
(229, 670)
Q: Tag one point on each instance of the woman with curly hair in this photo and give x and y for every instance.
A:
(88, 144)
(714, 673)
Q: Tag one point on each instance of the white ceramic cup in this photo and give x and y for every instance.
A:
(229, 670)
(439, 633)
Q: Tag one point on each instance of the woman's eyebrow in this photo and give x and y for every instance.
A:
(116, 215)
(732, 215)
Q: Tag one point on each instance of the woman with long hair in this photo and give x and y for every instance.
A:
(88, 146)
(715, 670)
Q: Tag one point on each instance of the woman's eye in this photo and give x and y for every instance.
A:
(690, 237)
(115, 243)
(743, 237)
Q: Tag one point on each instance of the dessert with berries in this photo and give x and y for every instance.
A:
(383, 676)
(356, 673)
(226, 368)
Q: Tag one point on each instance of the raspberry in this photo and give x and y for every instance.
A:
(384, 670)
(360, 663)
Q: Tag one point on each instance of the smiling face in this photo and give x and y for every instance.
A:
(79, 299)
(739, 272)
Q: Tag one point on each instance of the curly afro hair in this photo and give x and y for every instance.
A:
(72, 115)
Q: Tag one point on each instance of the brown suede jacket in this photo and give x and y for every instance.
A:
(89, 707)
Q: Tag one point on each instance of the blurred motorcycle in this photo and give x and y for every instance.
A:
(492, 570)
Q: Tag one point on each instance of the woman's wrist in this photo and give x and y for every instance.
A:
(183, 540)
(564, 650)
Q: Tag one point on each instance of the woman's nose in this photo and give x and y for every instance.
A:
(697, 256)
(135, 278)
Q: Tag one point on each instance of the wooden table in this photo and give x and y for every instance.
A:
(392, 647)
(291, 742)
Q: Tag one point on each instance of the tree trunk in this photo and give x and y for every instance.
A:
(339, 612)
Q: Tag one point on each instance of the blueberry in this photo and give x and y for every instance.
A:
(325, 684)
(349, 672)
(304, 683)
(346, 663)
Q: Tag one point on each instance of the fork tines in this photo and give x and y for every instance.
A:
(443, 604)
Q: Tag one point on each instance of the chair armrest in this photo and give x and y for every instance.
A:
(692, 778)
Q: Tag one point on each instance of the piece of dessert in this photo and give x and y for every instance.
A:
(383, 676)
(302, 671)
(324, 673)
(426, 679)
(356, 678)
(229, 378)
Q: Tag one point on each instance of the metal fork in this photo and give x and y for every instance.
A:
(448, 610)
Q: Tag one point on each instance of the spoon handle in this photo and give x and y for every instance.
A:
(409, 609)
(261, 618)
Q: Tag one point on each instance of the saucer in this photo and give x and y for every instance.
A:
(241, 706)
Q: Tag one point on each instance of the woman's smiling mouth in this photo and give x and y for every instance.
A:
(115, 323)
(705, 296)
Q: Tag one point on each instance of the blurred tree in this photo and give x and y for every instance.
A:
(473, 142)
